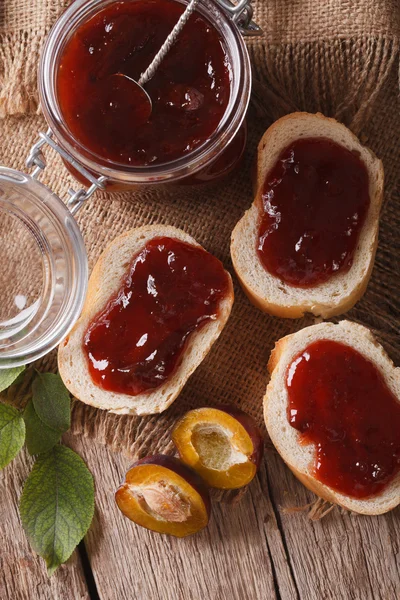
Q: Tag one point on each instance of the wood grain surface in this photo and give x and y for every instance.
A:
(257, 549)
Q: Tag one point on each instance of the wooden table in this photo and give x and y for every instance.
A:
(255, 549)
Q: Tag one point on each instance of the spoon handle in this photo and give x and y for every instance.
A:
(167, 45)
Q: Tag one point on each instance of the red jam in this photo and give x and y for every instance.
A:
(314, 204)
(190, 90)
(340, 402)
(171, 290)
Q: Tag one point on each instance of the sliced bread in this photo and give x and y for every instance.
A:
(104, 282)
(342, 290)
(300, 458)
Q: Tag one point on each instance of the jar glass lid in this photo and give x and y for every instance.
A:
(43, 269)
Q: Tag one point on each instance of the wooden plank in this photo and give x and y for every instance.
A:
(344, 555)
(239, 556)
(255, 549)
(22, 573)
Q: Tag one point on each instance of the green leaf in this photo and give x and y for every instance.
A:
(39, 437)
(8, 376)
(57, 505)
(52, 401)
(12, 433)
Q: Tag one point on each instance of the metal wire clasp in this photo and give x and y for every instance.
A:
(241, 14)
(37, 161)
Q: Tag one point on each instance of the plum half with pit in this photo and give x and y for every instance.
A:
(163, 494)
(223, 444)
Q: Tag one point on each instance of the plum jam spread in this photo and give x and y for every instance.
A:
(171, 290)
(190, 90)
(314, 204)
(340, 402)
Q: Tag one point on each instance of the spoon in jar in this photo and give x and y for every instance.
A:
(143, 101)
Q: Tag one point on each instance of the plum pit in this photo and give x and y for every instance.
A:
(163, 501)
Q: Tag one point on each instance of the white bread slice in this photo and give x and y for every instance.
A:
(342, 290)
(300, 458)
(104, 282)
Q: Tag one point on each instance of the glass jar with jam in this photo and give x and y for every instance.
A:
(200, 92)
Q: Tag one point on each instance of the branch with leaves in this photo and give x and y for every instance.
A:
(57, 502)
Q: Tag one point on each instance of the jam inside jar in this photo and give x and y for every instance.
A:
(200, 91)
(189, 91)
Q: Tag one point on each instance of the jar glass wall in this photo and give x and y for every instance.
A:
(43, 269)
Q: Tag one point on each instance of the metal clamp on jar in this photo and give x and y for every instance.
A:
(44, 272)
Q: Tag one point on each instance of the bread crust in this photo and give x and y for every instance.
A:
(298, 307)
(71, 357)
(318, 488)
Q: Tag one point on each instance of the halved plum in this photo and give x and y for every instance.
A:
(223, 444)
(164, 495)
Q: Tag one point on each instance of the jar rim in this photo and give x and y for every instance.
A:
(82, 10)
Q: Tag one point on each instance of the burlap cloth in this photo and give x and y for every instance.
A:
(340, 57)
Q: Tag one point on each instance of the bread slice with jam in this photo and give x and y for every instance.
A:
(365, 426)
(104, 284)
(342, 289)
